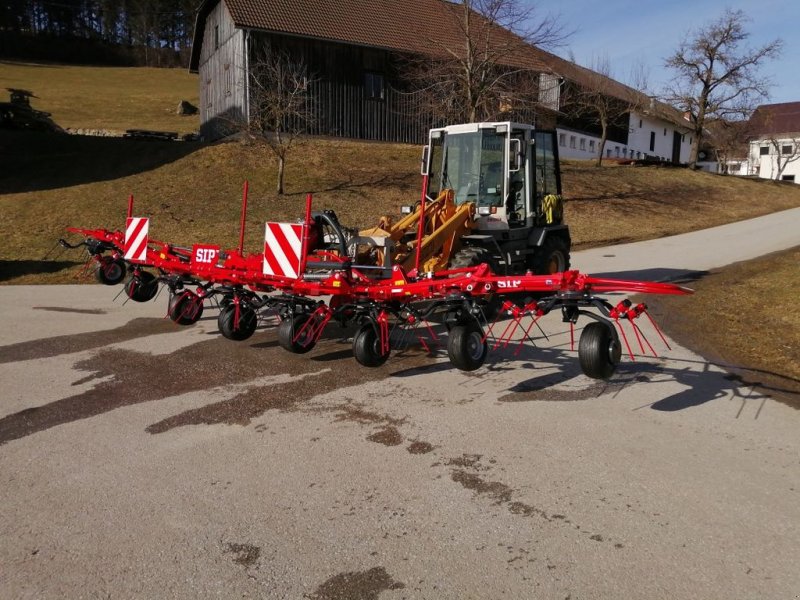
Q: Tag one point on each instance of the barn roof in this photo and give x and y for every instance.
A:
(413, 26)
(775, 119)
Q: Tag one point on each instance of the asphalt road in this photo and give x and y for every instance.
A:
(141, 459)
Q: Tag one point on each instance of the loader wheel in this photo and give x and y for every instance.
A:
(552, 257)
(599, 351)
(185, 308)
(248, 320)
(466, 347)
(287, 331)
(367, 347)
(142, 287)
(472, 256)
(110, 271)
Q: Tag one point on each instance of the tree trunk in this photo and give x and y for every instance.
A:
(603, 139)
(281, 167)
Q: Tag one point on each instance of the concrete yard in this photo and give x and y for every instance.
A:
(141, 459)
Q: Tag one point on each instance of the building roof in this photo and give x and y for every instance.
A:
(403, 26)
(775, 120)
(414, 26)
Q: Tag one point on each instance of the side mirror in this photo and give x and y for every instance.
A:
(424, 170)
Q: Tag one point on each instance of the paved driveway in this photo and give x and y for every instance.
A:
(140, 459)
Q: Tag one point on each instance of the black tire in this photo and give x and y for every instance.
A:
(367, 347)
(287, 331)
(185, 308)
(466, 347)
(142, 287)
(551, 257)
(110, 271)
(248, 320)
(599, 351)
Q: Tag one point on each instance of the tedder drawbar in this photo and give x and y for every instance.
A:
(308, 275)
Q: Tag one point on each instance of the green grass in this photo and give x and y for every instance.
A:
(114, 98)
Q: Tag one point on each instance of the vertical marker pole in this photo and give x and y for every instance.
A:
(130, 206)
(244, 216)
(421, 224)
(306, 233)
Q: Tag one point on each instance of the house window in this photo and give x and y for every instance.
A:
(583, 143)
(631, 153)
(228, 79)
(562, 139)
(616, 151)
(665, 131)
(608, 152)
(652, 141)
(787, 178)
(591, 145)
(638, 154)
(373, 86)
(764, 150)
(572, 141)
(787, 150)
(216, 37)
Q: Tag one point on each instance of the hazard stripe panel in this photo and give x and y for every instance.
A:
(136, 231)
(283, 245)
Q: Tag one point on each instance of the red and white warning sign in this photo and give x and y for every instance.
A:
(136, 239)
(283, 245)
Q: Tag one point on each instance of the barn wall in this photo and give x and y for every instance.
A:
(221, 74)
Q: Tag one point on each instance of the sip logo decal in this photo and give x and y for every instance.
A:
(204, 255)
(508, 283)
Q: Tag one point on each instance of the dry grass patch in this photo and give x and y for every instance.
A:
(746, 316)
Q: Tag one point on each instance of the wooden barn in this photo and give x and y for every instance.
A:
(355, 51)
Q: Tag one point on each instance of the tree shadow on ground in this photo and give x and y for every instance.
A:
(34, 161)
(11, 269)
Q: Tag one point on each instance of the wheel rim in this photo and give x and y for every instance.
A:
(556, 264)
(474, 346)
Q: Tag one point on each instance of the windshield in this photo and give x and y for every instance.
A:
(472, 166)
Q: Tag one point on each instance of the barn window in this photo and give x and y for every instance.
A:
(583, 143)
(216, 37)
(665, 131)
(591, 145)
(373, 86)
(572, 142)
(787, 177)
(764, 150)
(562, 139)
(640, 123)
(787, 150)
(652, 141)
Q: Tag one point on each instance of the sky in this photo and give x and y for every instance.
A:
(648, 31)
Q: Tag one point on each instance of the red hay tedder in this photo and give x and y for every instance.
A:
(307, 277)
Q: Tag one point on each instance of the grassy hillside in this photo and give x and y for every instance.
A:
(192, 191)
(116, 98)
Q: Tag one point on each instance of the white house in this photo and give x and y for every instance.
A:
(774, 134)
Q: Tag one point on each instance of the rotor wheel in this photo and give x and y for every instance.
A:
(185, 308)
(230, 329)
(289, 328)
(110, 271)
(142, 287)
(599, 351)
(367, 347)
(466, 347)
(551, 257)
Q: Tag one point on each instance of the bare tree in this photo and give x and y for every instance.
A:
(488, 68)
(728, 139)
(599, 100)
(715, 77)
(783, 151)
(280, 105)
